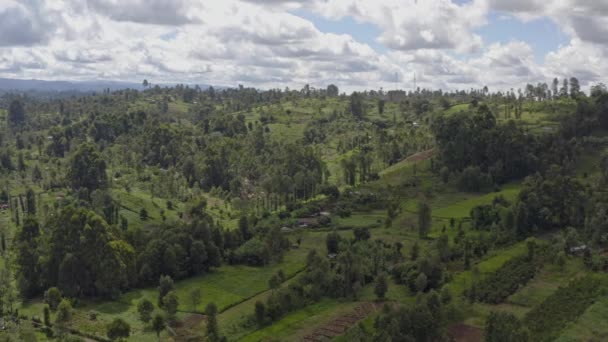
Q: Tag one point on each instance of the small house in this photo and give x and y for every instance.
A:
(578, 249)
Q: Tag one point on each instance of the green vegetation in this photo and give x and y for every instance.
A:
(564, 306)
(504, 281)
(270, 215)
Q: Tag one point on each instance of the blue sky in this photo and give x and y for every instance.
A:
(542, 34)
(362, 32)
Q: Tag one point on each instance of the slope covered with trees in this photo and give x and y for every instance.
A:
(249, 207)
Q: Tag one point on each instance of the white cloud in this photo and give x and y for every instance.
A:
(266, 44)
(412, 24)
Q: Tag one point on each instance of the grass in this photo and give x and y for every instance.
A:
(291, 131)
(298, 324)
(591, 326)
(360, 219)
(546, 283)
(227, 286)
(494, 261)
(547, 320)
(461, 209)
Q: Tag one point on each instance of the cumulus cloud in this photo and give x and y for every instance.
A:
(412, 24)
(161, 12)
(21, 24)
(270, 44)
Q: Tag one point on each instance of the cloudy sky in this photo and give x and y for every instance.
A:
(355, 44)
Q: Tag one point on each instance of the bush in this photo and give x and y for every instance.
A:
(143, 214)
(118, 329)
(253, 252)
(64, 312)
(473, 180)
(330, 190)
(52, 297)
(381, 286)
(504, 281)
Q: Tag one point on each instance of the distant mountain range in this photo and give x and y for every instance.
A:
(8, 84)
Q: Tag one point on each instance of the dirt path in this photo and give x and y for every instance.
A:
(341, 324)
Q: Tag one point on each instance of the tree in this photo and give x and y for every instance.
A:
(260, 313)
(87, 169)
(196, 296)
(143, 214)
(361, 234)
(415, 251)
(598, 90)
(165, 285)
(446, 295)
(563, 92)
(332, 242)
(554, 87)
(30, 199)
(46, 313)
(381, 286)
(244, 228)
(505, 327)
(145, 309)
(421, 282)
(274, 282)
(575, 87)
(356, 105)
(443, 247)
(332, 90)
(198, 257)
(118, 329)
(64, 313)
(424, 219)
(27, 258)
(213, 333)
(145, 84)
(16, 113)
(158, 324)
(53, 297)
(445, 174)
(170, 304)
(381, 104)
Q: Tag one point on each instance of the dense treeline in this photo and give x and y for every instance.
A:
(79, 253)
(483, 152)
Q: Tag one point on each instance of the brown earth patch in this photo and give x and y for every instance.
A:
(465, 333)
(420, 156)
(340, 325)
(189, 329)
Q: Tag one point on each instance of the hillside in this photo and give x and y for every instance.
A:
(304, 215)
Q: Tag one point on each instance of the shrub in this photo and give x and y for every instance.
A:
(52, 297)
(504, 281)
(253, 252)
(118, 329)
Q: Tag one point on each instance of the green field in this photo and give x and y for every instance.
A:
(591, 326)
(297, 324)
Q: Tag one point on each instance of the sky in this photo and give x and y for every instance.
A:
(355, 44)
